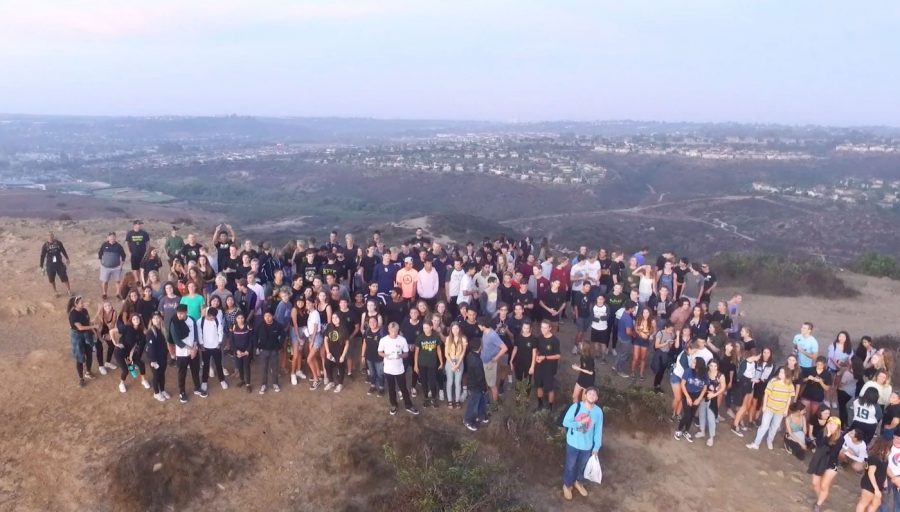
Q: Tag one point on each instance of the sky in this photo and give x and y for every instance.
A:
(760, 61)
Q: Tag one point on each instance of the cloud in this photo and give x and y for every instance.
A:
(29, 21)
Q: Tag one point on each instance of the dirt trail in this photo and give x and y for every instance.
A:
(64, 448)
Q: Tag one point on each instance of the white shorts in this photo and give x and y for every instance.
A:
(110, 274)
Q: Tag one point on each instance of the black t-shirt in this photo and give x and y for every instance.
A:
(890, 412)
(349, 318)
(553, 300)
(880, 472)
(309, 271)
(192, 253)
(502, 327)
(471, 331)
(336, 337)
(396, 312)
(813, 391)
(411, 332)
(584, 303)
(368, 265)
(333, 269)
(524, 346)
(137, 242)
(709, 279)
(680, 273)
(723, 319)
(507, 294)
(584, 380)
(525, 298)
(82, 317)
(617, 269)
(428, 347)
(223, 251)
(548, 347)
(372, 338)
(605, 272)
(233, 265)
(151, 264)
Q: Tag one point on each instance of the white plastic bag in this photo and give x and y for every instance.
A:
(592, 470)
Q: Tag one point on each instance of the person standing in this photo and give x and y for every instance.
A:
(428, 283)
(406, 279)
(492, 351)
(807, 348)
(158, 353)
(584, 437)
(81, 337)
(270, 342)
(184, 334)
(546, 366)
(428, 360)
(476, 405)
(337, 343)
(779, 394)
(174, 244)
(893, 476)
(112, 259)
(372, 333)
(137, 240)
(212, 332)
(393, 349)
(52, 254)
(625, 336)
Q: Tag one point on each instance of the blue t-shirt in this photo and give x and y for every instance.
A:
(693, 382)
(807, 344)
(490, 345)
(624, 323)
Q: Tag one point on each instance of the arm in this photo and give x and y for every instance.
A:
(500, 354)
(344, 352)
(416, 359)
(598, 432)
(569, 419)
(870, 472)
(533, 361)
(43, 254)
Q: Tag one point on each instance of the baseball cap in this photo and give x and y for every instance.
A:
(407, 259)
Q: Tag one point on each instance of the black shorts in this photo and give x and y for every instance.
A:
(57, 270)
(600, 336)
(544, 377)
(136, 261)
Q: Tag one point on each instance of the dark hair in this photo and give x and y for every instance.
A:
(869, 396)
(848, 347)
(796, 407)
(700, 369)
(880, 448)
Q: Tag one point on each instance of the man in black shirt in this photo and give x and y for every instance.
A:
(112, 258)
(52, 254)
(396, 309)
(308, 269)
(709, 283)
(546, 365)
(191, 250)
(552, 304)
(369, 260)
(137, 240)
(223, 239)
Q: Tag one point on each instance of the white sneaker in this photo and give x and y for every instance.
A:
(699, 435)
(293, 380)
(262, 389)
(223, 384)
(412, 392)
(166, 395)
(441, 395)
(111, 366)
(145, 383)
(338, 388)
(203, 386)
(276, 388)
(301, 375)
(159, 397)
(122, 388)
(575, 350)
(769, 445)
(329, 386)
(614, 352)
(753, 446)
(709, 442)
(211, 374)
(102, 370)
(225, 371)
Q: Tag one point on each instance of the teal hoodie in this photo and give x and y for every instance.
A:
(577, 436)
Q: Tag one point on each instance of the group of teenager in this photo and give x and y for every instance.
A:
(460, 324)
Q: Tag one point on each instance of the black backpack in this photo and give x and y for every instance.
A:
(562, 414)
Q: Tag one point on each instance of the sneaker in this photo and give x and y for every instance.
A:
(719, 419)
(293, 379)
(223, 384)
(197, 392)
(111, 366)
(225, 372)
(166, 395)
(204, 393)
(380, 393)
(699, 435)
(301, 375)
(744, 428)
(249, 388)
(145, 383)
(413, 411)
(709, 442)
(159, 397)
(688, 437)
(575, 350)
(313, 384)
(338, 388)
(203, 386)
(122, 388)
(182, 398)
(276, 388)
(485, 421)
(614, 352)
(567, 493)
(371, 390)
(81, 382)
(737, 432)
(658, 391)
(393, 411)
(442, 396)
(580, 488)
(471, 427)
(329, 386)
(412, 392)
(399, 395)
(262, 390)
(102, 370)
(624, 375)
(753, 446)
(769, 445)
(88, 376)
(678, 435)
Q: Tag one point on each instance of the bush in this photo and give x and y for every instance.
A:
(775, 274)
(455, 483)
(878, 265)
(633, 409)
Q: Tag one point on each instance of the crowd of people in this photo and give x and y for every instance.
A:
(462, 324)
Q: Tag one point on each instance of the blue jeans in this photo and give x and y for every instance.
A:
(889, 494)
(476, 406)
(623, 357)
(376, 373)
(454, 382)
(573, 469)
(82, 342)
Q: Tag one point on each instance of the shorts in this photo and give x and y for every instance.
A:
(317, 341)
(600, 336)
(81, 343)
(674, 379)
(297, 338)
(490, 374)
(54, 270)
(110, 274)
(136, 261)
(640, 342)
(544, 378)
(744, 387)
(582, 324)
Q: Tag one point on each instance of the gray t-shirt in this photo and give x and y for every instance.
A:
(692, 284)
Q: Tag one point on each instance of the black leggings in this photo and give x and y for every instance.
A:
(215, 355)
(135, 360)
(335, 370)
(159, 377)
(687, 413)
(843, 400)
(98, 345)
(660, 372)
(428, 376)
(185, 363)
(394, 382)
(243, 367)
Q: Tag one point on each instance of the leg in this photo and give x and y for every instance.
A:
(825, 486)
(204, 367)
(773, 427)
(392, 389)
(401, 383)
(182, 373)
(217, 361)
(570, 466)
(703, 411)
(583, 457)
(763, 427)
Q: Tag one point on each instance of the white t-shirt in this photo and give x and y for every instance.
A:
(856, 450)
(599, 312)
(312, 321)
(704, 354)
(893, 463)
(592, 271)
(393, 349)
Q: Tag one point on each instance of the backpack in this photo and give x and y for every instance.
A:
(562, 415)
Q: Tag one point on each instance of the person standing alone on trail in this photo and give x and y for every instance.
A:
(137, 240)
(584, 437)
(52, 254)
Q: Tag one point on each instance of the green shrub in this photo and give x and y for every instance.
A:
(878, 265)
(633, 408)
(456, 483)
(776, 274)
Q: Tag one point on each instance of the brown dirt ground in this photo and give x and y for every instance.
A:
(65, 448)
